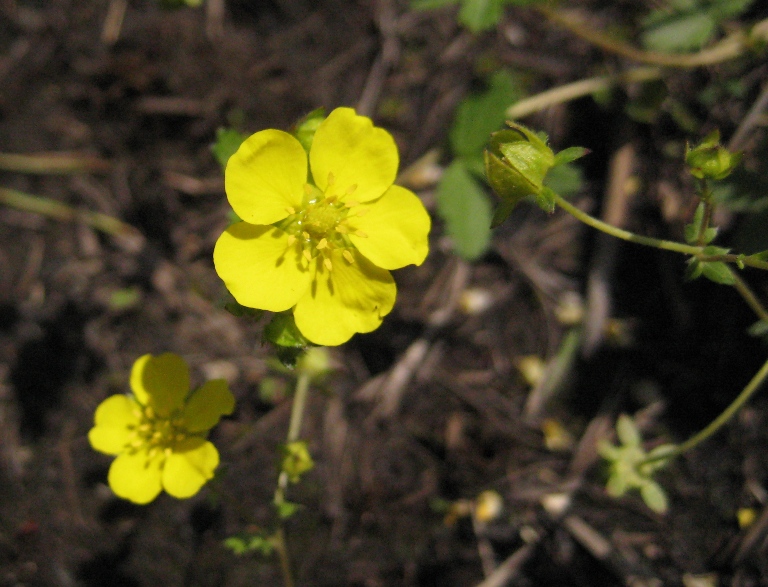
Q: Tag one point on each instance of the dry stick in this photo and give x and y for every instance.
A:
(730, 47)
(52, 163)
(113, 23)
(750, 121)
(60, 211)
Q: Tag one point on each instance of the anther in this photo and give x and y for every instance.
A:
(348, 256)
(328, 264)
(305, 234)
(322, 244)
(342, 229)
(351, 188)
(307, 255)
(290, 210)
(361, 234)
(291, 239)
(331, 178)
(351, 203)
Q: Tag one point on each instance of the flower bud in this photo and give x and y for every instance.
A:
(710, 160)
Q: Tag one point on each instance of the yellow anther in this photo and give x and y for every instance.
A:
(331, 199)
(351, 188)
(307, 255)
(331, 178)
(305, 234)
(322, 244)
(351, 203)
(362, 211)
(348, 256)
(328, 264)
(291, 239)
(361, 234)
(290, 210)
(342, 229)
(149, 413)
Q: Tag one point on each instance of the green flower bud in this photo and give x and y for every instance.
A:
(709, 159)
(296, 460)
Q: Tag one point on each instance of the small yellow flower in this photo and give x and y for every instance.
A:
(320, 233)
(159, 433)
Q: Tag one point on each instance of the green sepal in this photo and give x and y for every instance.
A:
(296, 460)
(627, 431)
(287, 339)
(546, 200)
(240, 311)
(287, 509)
(693, 229)
(570, 155)
(654, 496)
(228, 141)
(709, 159)
(304, 130)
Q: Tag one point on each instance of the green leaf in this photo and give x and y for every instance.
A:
(718, 272)
(687, 32)
(228, 141)
(286, 509)
(565, 179)
(477, 116)
(282, 331)
(431, 4)
(480, 15)
(654, 496)
(627, 431)
(463, 204)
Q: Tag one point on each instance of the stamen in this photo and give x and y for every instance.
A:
(305, 234)
(307, 255)
(361, 234)
(328, 264)
(331, 199)
(362, 212)
(351, 203)
(342, 229)
(291, 239)
(331, 178)
(348, 256)
(351, 188)
(291, 210)
(322, 244)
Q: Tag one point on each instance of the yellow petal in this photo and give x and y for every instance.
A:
(189, 467)
(207, 404)
(266, 177)
(396, 227)
(136, 477)
(259, 268)
(112, 420)
(160, 382)
(355, 152)
(353, 297)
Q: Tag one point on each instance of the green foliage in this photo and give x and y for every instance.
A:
(631, 468)
(287, 339)
(696, 228)
(476, 15)
(478, 115)
(687, 25)
(245, 543)
(463, 204)
(296, 460)
(228, 141)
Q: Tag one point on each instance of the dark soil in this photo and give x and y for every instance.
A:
(149, 102)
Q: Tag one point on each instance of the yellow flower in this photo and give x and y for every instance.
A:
(322, 244)
(158, 434)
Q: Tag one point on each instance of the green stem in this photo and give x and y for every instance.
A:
(738, 259)
(625, 234)
(294, 429)
(718, 422)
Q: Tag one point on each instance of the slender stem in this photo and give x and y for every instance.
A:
(718, 422)
(579, 89)
(738, 259)
(294, 429)
(749, 297)
(730, 47)
(52, 163)
(625, 234)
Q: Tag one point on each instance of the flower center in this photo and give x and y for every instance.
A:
(322, 224)
(156, 434)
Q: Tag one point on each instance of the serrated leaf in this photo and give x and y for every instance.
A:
(228, 141)
(477, 116)
(654, 497)
(718, 272)
(463, 204)
(680, 33)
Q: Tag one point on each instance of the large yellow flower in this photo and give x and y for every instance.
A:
(323, 243)
(158, 433)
